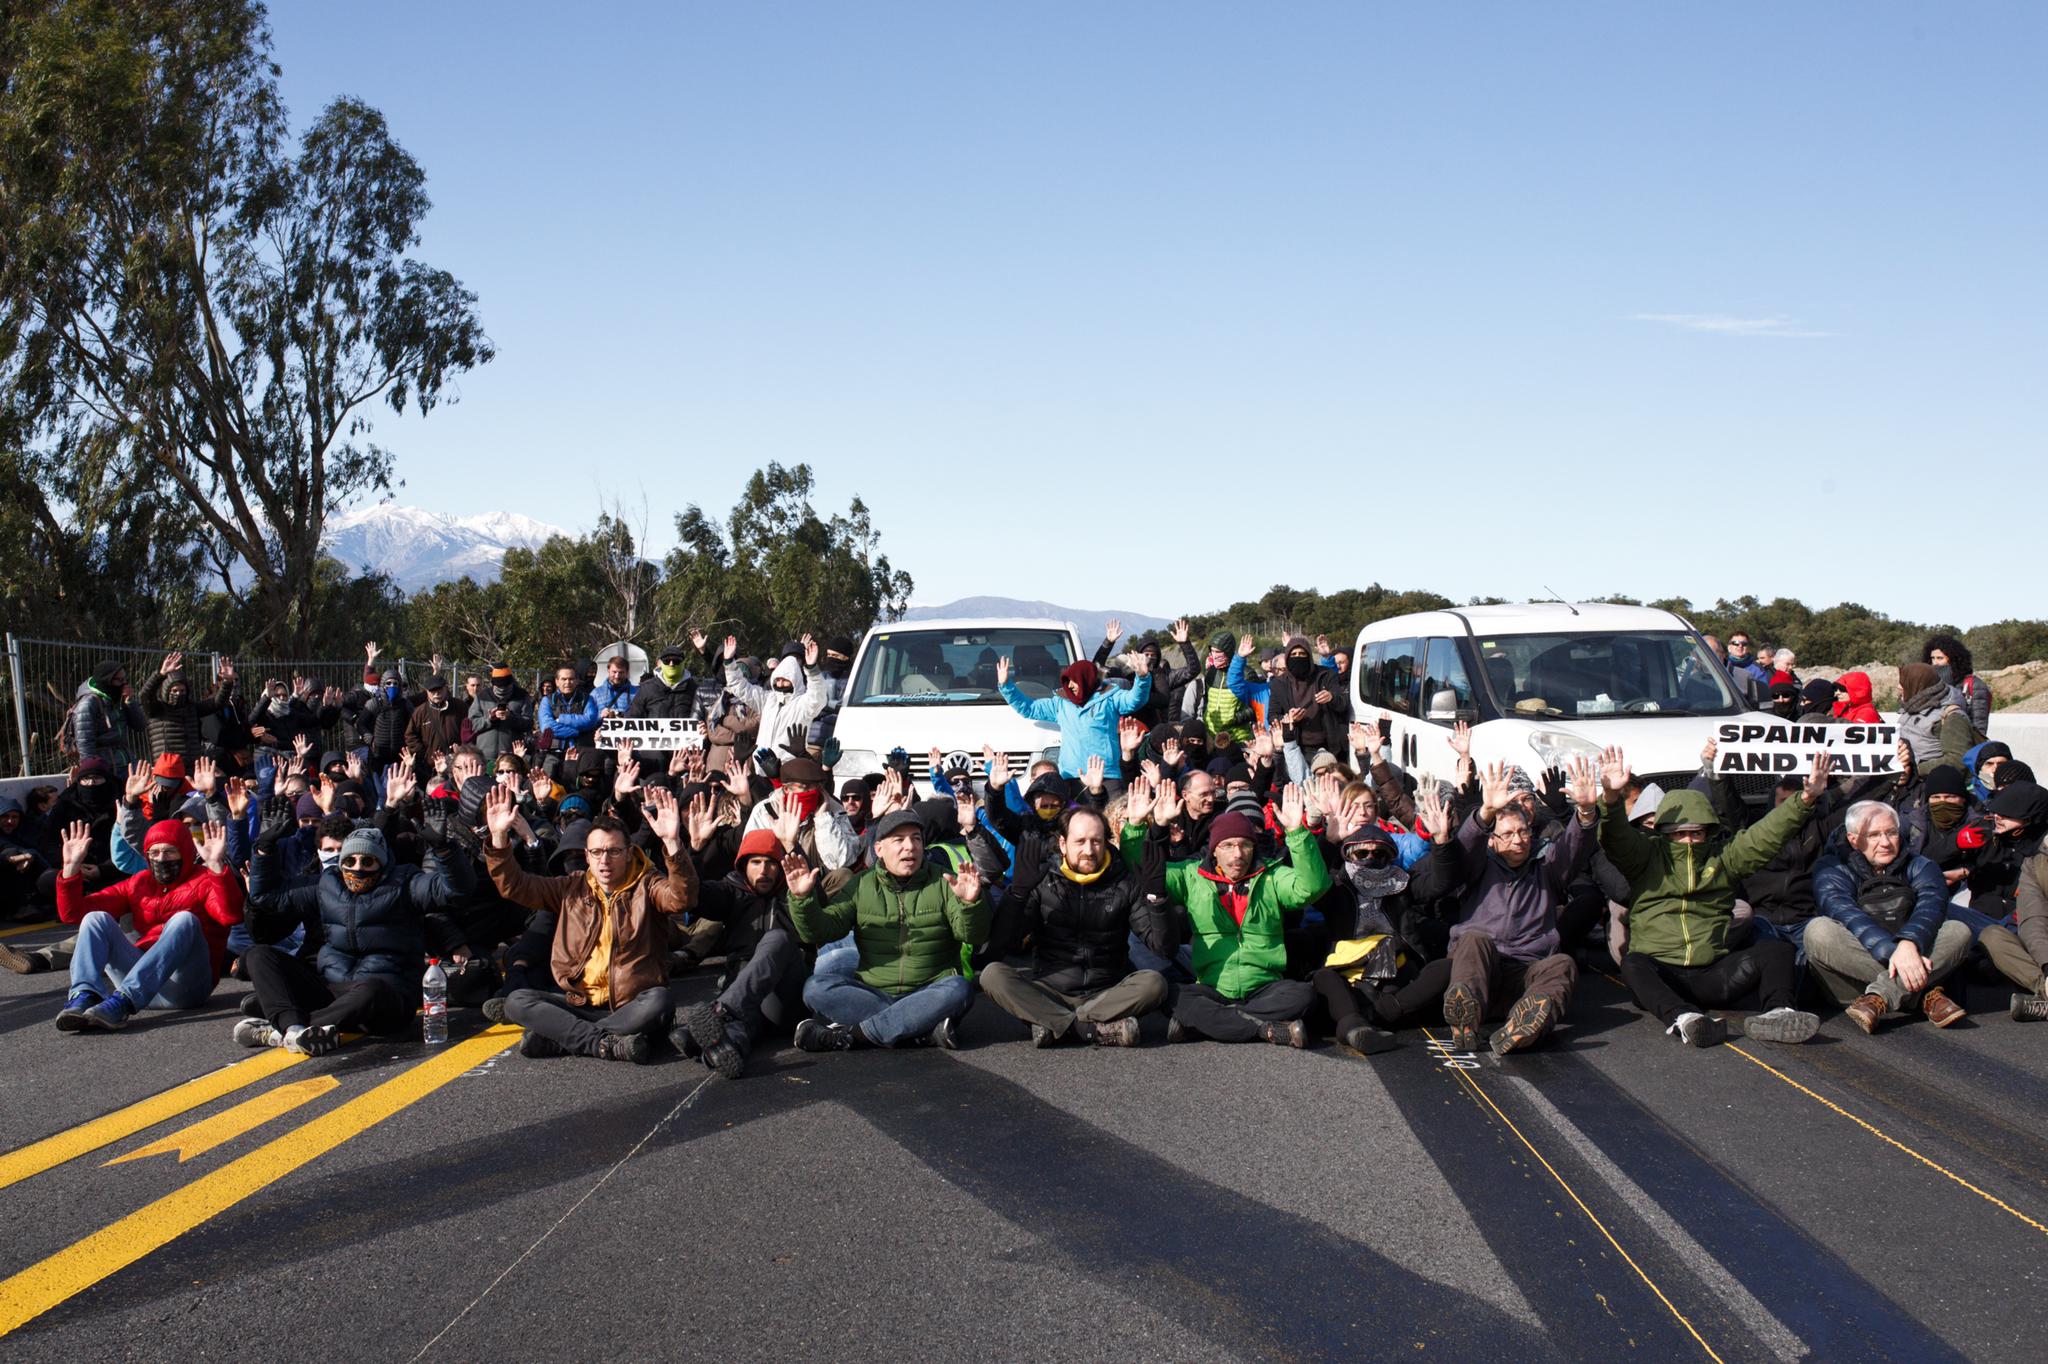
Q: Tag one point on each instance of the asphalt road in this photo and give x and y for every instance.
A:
(167, 1195)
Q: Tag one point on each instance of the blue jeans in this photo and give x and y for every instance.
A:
(837, 996)
(1791, 933)
(1972, 919)
(175, 973)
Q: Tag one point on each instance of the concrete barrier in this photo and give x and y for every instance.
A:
(2026, 735)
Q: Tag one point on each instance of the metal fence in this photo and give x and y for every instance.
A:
(43, 679)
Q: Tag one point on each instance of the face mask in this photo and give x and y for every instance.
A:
(784, 688)
(837, 667)
(166, 868)
(669, 673)
(391, 693)
(1945, 816)
(330, 858)
(1947, 674)
(1299, 668)
(808, 802)
(500, 691)
(280, 705)
(360, 881)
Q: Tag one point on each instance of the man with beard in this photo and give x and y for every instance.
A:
(614, 695)
(568, 713)
(764, 987)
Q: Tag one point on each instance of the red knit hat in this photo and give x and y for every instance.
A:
(1229, 825)
(760, 843)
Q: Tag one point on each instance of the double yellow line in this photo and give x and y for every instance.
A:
(77, 1267)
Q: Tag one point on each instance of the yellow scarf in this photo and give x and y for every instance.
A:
(597, 971)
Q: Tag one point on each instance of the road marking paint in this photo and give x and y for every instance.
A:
(1775, 1335)
(122, 1123)
(1466, 1077)
(40, 1287)
(221, 1128)
(28, 928)
(1892, 1141)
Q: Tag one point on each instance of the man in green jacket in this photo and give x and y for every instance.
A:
(909, 922)
(1682, 877)
(1231, 905)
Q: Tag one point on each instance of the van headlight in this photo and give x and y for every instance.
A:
(856, 764)
(1555, 748)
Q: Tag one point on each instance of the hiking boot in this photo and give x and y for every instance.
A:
(257, 1032)
(538, 1046)
(494, 1009)
(23, 963)
(1174, 1031)
(1866, 1012)
(1042, 1036)
(71, 1018)
(2029, 1009)
(1941, 1011)
(1461, 1015)
(946, 1034)
(110, 1014)
(1292, 1033)
(1782, 1024)
(1529, 1022)
(705, 1024)
(622, 1046)
(1699, 1030)
(1121, 1032)
(1367, 1040)
(815, 1034)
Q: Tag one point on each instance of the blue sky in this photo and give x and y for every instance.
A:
(1182, 300)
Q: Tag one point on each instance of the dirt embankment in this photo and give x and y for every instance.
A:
(2021, 689)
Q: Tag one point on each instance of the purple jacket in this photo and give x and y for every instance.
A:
(1518, 907)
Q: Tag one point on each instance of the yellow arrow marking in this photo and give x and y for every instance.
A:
(39, 1156)
(207, 1133)
(82, 1264)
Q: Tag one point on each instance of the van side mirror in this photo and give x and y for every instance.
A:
(1443, 706)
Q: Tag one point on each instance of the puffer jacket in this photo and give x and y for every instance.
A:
(1684, 894)
(909, 929)
(215, 898)
(381, 932)
(103, 727)
(177, 729)
(1842, 880)
(1080, 929)
(639, 909)
(1237, 931)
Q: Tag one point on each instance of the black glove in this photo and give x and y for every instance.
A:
(279, 822)
(1030, 865)
(1553, 792)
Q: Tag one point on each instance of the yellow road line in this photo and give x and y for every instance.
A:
(1573, 1194)
(79, 1266)
(221, 1128)
(52, 1151)
(1891, 1141)
(28, 928)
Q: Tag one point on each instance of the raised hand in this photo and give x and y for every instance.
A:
(1583, 786)
(810, 650)
(465, 766)
(965, 811)
(627, 780)
(537, 782)
(76, 843)
(731, 649)
(1262, 744)
(698, 639)
(519, 748)
(786, 819)
(997, 766)
(967, 884)
(399, 784)
(1433, 812)
(1180, 631)
(224, 670)
(238, 793)
(1003, 670)
(370, 650)
(302, 746)
(1153, 772)
(1322, 646)
(324, 793)
(664, 817)
(736, 780)
(1614, 773)
(1112, 630)
(1130, 736)
(1141, 664)
(1493, 790)
(1166, 804)
(1092, 773)
(1247, 646)
(138, 784)
(798, 875)
(1138, 797)
(701, 820)
(354, 767)
(170, 663)
(1365, 741)
(1816, 784)
(1461, 739)
(1708, 752)
(205, 776)
(501, 808)
(1293, 809)
(212, 844)
(1329, 789)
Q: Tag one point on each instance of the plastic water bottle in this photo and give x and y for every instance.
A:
(434, 1004)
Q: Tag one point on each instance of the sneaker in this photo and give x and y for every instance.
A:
(1529, 1022)
(257, 1032)
(538, 1046)
(947, 1034)
(1699, 1030)
(320, 1039)
(623, 1046)
(23, 963)
(1121, 1032)
(1367, 1040)
(1941, 1011)
(294, 1040)
(815, 1034)
(1782, 1024)
(71, 1018)
(1174, 1031)
(1461, 1014)
(2029, 1009)
(494, 1009)
(1292, 1033)
(1866, 1012)
(705, 1025)
(1042, 1036)
(110, 1014)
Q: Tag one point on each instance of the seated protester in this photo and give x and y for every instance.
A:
(785, 713)
(1951, 661)
(367, 920)
(21, 865)
(1087, 712)
(1886, 943)
(1506, 934)
(853, 799)
(1819, 701)
(910, 924)
(1852, 703)
(1982, 764)
(183, 905)
(807, 820)
(611, 933)
(763, 982)
(1390, 785)
(1368, 961)
(1077, 904)
(614, 696)
(172, 713)
(525, 963)
(1682, 880)
(1233, 905)
(1783, 702)
(1318, 701)
(501, 715)
(2018, 815)
(568, 713)
(2020, 952)
(1780, 893)
(1949, 833)
(1937, 729)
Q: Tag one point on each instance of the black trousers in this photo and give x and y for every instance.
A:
(1415, 996)
(1763, 969)
(578, 1028)
(767, 991)
(294, 994)
(1208, 1013)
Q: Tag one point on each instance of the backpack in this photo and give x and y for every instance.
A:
(1888, 899)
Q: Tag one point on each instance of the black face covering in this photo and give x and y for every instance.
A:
(1300, 666)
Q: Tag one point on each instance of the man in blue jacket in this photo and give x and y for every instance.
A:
(1883, 941)
(568, 712)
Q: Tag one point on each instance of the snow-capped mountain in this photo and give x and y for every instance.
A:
(419, 548)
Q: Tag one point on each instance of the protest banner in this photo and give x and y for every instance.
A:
(657, 734)
(1784, 748)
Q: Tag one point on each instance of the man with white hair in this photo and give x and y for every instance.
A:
(1883, 941)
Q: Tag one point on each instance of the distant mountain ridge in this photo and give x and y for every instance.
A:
(416, 548)
(1089, 623)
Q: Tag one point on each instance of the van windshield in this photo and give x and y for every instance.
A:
(957, 667)
(1597, 675)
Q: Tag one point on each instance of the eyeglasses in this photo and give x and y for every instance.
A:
(1515, 835)
(606, 852)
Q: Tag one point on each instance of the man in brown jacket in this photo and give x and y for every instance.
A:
(611, 933)
(433, 727)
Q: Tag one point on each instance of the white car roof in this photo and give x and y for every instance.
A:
(1540, 617)
(969, 623)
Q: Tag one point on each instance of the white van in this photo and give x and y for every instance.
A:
(1543, 683)
(925, 684)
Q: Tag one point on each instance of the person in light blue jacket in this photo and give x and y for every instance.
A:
(1086, 712)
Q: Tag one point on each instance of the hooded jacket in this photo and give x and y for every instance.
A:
(1684, 894)
(1857, 709)
(1237, 932)
(1937, 730)
(624, 931)
(1087, 730)
(910, 929)
(215, 898)
(785, 716)
(105, 726)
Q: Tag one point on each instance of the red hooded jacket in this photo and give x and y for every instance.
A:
(1857, 710)
(215, 898)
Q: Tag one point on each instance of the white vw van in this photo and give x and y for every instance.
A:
(1543, 683)
(925, 684)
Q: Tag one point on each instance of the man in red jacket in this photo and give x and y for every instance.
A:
(183, 906)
